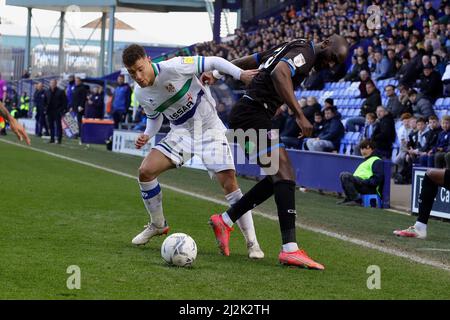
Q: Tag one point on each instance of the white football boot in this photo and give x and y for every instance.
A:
(254, 251)
(149, 232)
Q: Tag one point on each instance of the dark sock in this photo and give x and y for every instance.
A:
(426, 199)
(255, 196)
(285, 199)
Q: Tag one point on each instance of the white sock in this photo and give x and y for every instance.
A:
(245, 222)
(290, 247)
(420, 226)
(152, 196)
(226, 218)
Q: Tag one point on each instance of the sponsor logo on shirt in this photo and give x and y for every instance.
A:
(187, 60)
(299, 60)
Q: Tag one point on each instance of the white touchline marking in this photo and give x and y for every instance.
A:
(359, 242)
(433, 249)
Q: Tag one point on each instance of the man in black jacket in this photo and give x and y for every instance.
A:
(384, 134)
(56, 107)
(431, 83)
(40, 102)
(371, 103)
(79, 98)
(413, 68)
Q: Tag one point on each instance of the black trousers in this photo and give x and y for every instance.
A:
(54, 123)
(354, 186)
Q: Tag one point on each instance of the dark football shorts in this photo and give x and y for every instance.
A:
(260, 139)
(447, 179)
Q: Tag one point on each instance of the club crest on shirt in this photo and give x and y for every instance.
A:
(170, 88)
(299, 60)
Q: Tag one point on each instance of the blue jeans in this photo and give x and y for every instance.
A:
(353, 122)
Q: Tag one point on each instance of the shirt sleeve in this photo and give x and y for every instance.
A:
(189, 65)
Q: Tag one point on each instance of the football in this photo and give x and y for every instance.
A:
(179, 249)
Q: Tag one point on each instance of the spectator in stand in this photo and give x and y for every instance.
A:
(79, 97)
(437, 64)
(69, 89)
(413, 68)
(328, 103)
(384, 134)
(315, 81)
(290, 131)
(369, 105)
(368, 131)
(40, 103)
(56, 108)
(418, 145)
(3, 88)
(361, 64)
(329, 139)
(312, 106)
(121, 101)
(95, 105)
(364, 78)
(318, 124)
(433, 133)
(430, 83)
(404, 99)
(383, 67)
(403, 138)
(393, 104)
(443, 145)
(421, 106)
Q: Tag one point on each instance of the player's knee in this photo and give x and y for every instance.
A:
(147, 173)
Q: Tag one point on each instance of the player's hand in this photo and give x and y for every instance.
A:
(19, 130)
(141, 140)
(208, 78)
(305, 125)
(247, 76)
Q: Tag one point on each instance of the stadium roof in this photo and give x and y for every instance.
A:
(121, 5)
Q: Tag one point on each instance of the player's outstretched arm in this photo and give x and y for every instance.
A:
(282, 81)
(16, 127)
(225, 67)
(152, 128)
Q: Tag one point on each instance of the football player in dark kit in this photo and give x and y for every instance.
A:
(434, 178)
(282, 69)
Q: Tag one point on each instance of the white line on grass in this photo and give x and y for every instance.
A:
(359, 242)
(433, 249)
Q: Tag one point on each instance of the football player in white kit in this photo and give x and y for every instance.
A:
(172, 88)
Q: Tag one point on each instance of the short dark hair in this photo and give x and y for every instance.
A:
(422, 119)
(366, 143)
(330, 101)
(318, 113)
(433, 117)
(132, 53)
(332, 109)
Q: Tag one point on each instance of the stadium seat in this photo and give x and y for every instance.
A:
(371, 200)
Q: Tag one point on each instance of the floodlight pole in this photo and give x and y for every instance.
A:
(101, 62)
(27, 62)
(111, 39)
(61, 43)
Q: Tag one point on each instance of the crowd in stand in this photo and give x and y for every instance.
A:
(411, 45)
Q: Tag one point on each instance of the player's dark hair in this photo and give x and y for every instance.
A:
(133, 53)
(366, 143)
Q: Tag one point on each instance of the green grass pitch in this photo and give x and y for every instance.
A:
(55, 213)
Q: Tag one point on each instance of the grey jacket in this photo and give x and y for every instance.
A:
(422, 107)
